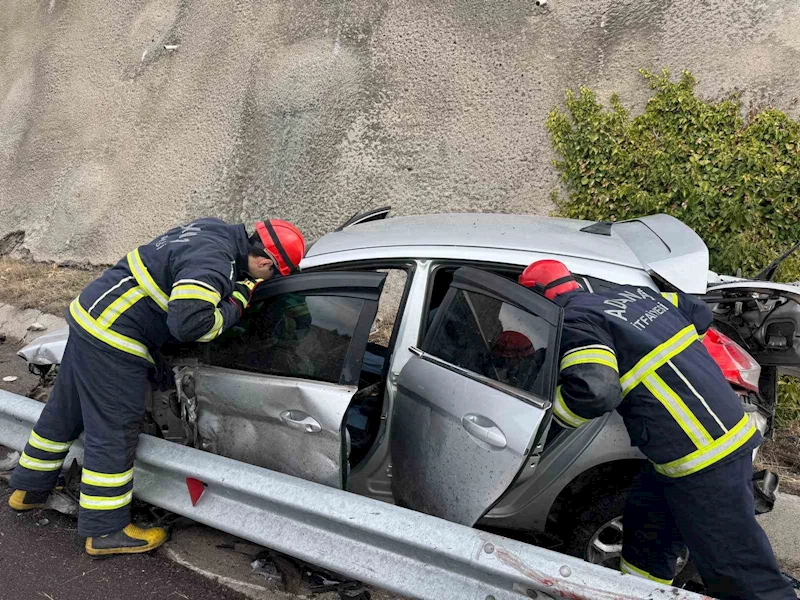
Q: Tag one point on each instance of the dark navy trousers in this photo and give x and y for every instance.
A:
(101, 392)
(712, 512)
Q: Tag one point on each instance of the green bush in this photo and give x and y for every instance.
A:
(734, 180)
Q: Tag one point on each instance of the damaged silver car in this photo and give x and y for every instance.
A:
(377, 369)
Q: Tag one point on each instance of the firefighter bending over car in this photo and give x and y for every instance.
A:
(190, 284)
(640, 353)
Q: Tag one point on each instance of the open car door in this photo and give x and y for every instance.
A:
(274, 390)
(762, 316)
(474, 401)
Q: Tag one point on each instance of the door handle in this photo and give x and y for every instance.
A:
(297, 419)
(484, 430)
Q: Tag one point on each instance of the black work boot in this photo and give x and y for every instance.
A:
(25, 500)
(130, 540)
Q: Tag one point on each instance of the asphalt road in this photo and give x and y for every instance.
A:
(42, 558)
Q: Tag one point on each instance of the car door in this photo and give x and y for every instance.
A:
(473, 403)
(763, 316)
(273, 391)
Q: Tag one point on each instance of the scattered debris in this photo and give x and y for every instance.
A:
(10, 460)
(36, 327)
(63, 503)
(10, 378)
(265, 568)
(84, 574)
(43, 522)
(795, 583)
(171, 47)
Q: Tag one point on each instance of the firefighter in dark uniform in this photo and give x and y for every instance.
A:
(190, 284)
(640, 352)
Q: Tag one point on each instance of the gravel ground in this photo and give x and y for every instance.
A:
(12, 365)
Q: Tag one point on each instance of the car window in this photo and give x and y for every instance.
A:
(294, 335)
(492, 338)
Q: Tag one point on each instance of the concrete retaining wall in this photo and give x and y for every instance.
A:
(313, 109)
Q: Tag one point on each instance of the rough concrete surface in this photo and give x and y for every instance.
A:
(313, 109)
(24, 324)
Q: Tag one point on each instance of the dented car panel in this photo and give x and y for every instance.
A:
(278, 423)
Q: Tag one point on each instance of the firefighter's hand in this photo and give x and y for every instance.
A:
(243, 293)
(161, 374)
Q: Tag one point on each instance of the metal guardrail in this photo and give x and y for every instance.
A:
(400, 550)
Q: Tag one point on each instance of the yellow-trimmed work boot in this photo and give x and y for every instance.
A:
(130, 540)
(25, 500)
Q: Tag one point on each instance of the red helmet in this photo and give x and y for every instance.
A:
(550, 278)
(283, 242)
(512, 344)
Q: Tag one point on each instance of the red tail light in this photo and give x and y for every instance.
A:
(736, 364)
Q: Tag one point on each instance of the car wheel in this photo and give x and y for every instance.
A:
(591, 528)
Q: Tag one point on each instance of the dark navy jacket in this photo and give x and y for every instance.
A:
(640, 352)
(173, 289)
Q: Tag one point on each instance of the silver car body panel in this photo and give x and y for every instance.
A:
(658, 243)
(448, 424)
(527, 506)
(561, 237)
(288, 425)
(668, 248)
(47, 349)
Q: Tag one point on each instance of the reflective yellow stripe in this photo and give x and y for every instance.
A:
(119, 306)
(144, 279)
(564, 414)
(41, 443)
(240, 297)
(106, 479)
(659, 356)
(679, 411)
(601, 355)
(697, 395)
(105, 502)
(716, 451)
(216, 329)
(194, 292)
(112, 338)
(35, 464)
(195, 282)
(628, 568)
(671, 297)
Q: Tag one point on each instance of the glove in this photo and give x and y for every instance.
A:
(161, 375)
(243, 294)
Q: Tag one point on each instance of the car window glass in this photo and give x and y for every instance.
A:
(492, 338)
(295, 335)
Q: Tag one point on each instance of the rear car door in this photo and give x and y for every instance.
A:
(273, 391)
(473, 404)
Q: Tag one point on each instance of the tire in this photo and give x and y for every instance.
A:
(591, 527)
